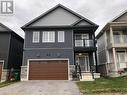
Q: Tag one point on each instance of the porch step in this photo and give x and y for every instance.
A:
(87, 77)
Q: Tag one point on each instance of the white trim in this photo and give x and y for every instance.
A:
(38, 37)
(2, 69)
(28, 60)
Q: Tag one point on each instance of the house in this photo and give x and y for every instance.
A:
(112, 47)
(55, 42)
(11, 51)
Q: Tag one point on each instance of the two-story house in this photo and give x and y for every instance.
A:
(55, 42)
(11, 52)
(112, 47)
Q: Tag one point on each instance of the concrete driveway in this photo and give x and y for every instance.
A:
(45, 87)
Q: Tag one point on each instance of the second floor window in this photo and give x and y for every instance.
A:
(48, 36)
(60, 36)
(36, 37)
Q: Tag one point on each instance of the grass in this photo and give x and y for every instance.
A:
(6, 83)
(104, 85)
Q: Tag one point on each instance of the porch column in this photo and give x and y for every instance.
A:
(96, 62)
(114, 59)
(111, 35)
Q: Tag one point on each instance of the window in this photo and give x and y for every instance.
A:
(48, 36)
(36, 37)
(81, 40)
(60, 36)
(85, 36)
(121, 59)
(117, 37)
(81, 36)
(125, 37)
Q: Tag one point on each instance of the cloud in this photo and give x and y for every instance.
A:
(98, 11)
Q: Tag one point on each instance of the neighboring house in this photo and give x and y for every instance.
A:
(11, 52)
(112, 47)
(56, 41)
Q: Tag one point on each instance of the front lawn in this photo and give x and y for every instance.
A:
(104, 85)
(6, 83)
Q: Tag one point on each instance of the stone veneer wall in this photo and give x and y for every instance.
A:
(4, 75)
(24, 73)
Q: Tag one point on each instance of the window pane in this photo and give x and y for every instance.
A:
(60, 36)
(45, 37)
(117, 37)
(51, 36)
(121, 59)
(36, 37)
(125, 37)
(85, 36)
(48, 36)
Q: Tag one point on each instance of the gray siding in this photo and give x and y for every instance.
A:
(15, 52)
(83, 23)
(66, 44)
(57, 17)
(48, 54)
(48, 50)
(4, 47)
(101, 42)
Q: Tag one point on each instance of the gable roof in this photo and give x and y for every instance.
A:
(111, 22)
(4, 28)
(54, 8)
(81, 22)
(120, 15)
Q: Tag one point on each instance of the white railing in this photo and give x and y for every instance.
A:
(84, 43)
(118, 39)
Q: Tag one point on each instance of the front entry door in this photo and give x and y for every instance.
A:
(83, 61)
(121, 59)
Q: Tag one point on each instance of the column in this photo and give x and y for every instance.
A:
(114, 59)
(111, 35)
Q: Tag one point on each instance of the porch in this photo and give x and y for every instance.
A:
(116, 35)
(117, 63)
(85, 63)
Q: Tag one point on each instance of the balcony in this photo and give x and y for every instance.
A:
(119, 40)
(84, 45)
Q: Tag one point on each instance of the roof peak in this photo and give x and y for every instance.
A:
(54, 8)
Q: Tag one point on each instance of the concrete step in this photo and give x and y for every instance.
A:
(87, 77)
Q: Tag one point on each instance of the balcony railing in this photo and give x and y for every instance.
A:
(84, 43)
(118, 39)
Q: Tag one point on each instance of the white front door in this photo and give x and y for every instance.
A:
(121, 59)
(83, 61)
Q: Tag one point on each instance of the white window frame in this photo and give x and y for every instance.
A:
(63, 36)
(48, 37)
(38, 37)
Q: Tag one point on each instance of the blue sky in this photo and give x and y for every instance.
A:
(98, 11)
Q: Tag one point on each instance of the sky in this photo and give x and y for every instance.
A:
(98, 11)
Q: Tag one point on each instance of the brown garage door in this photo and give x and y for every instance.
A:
(48, 70)
(1, 63)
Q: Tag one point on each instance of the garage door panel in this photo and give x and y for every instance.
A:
(48, 70)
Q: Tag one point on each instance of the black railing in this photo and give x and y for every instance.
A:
(84, 43)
